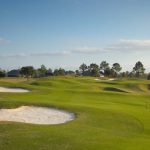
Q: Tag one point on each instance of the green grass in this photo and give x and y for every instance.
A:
(110, 115)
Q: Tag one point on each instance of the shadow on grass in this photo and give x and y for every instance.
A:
(148, 86)
(114, 89)
(111, 83)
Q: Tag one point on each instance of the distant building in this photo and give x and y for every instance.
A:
(13, 73)
(102, 76)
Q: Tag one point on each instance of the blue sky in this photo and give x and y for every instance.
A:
(66, 33)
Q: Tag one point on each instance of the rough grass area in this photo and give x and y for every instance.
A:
(112, 115)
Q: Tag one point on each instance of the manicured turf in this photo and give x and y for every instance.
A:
(110, 115)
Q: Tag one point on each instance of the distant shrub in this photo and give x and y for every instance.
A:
(148, 77)
(2, 73)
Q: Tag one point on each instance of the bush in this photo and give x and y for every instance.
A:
(2, 73)
(148, 77)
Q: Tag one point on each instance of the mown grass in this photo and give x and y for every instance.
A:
(105, 119)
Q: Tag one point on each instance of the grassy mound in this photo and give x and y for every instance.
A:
(107, 117)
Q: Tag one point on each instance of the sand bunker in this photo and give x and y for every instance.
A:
(111, 79)
(13, 90)
(97, 79)
(35, 115)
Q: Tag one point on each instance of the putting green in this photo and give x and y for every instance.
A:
(110, 115)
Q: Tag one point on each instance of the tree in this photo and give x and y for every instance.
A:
(49, 72)
(104, 66)
(94, 70)
(77, 72)
(125, 74)
(83, 67)
(116, 68)
(2, 73)
(42, 71)
(108, 72)
(131, 74)
(59, 72)
(148, 76)
(70, 72)
(139, 69)
(56, 72)
(27, 71)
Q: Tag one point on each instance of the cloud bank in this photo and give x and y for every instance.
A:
(88, 50)
(130, 45)
(58, 53)
(122, 45)
(4, 41)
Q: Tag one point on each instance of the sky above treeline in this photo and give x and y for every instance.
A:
(66, 33)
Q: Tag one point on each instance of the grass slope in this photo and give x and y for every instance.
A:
(110, 115)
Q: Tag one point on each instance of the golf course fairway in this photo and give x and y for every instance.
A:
(109, 115)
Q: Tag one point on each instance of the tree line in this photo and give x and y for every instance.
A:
(96, 70)
(104, 69)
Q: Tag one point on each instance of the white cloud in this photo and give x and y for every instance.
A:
(13, 55)
(88, 50)
(58, 53)
(136, 42)
(4, 41)
(122, 45)
(130, 45)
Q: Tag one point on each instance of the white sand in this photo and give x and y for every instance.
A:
(13, 90)
(35, 115)
(97, 79)
(111, 79)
